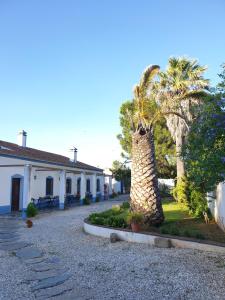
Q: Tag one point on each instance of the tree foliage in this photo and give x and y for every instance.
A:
(221, 84)
(164, 145)
(121, 173)
(204, 151)
(181, 87)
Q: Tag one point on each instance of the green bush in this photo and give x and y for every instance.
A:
(197, 202)
(86, 201)
(116, 208)
(164, 230)
(97, 199)
(187, 233)
(125, 205)
(180, 191)
(200, 236)
(111, 218)
(134, 217)
(31, 211)
(174, 231)
(116, 221)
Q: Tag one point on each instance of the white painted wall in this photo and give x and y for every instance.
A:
(10, 167)
(219, 205)
(6, 174)
(116, 186)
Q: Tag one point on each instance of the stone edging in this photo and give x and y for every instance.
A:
(134, 237)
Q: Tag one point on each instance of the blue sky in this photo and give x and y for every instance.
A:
(67, 65)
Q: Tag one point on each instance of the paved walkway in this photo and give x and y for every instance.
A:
(55, 259)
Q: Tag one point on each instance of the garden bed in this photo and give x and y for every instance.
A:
(178, 222)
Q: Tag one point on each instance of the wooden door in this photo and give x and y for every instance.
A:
(15, 194)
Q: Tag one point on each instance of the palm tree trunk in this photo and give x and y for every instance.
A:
(180, 162)
(145, 197)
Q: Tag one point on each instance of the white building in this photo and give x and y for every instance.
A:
(27, 174)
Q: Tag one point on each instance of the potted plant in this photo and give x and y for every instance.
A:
(29, 223)
(135, 220)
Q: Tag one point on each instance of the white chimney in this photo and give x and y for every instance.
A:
(75, 155)
(22, 138)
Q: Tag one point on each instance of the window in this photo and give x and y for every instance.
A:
(68, 186)
(78, 185)
(88, 186)
(98, 185)
(49, 186)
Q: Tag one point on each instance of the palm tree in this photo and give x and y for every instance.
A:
(145, 197)
(181, 88)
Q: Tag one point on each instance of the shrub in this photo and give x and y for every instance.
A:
(134, 217)
(97, 199)
(109, 218)
(197, 202)
(86, 201)
(174, 231)
(180, 191)
(125, 205)
(113, 195)
(164, 230)
(31, 211)
(187, 233)
(116, 208)
(200, 236)
(117, 221)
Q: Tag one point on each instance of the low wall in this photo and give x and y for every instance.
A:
(148, 238)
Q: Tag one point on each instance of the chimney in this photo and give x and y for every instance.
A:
(22, 138)
(75, 155)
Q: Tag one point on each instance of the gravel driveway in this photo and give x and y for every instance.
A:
(92, 268)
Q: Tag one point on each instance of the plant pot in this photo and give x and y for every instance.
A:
(29, 223)
(135, 227)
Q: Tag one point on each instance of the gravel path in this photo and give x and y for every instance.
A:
(66, 263)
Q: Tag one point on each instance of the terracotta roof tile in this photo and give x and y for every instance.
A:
(14, 150)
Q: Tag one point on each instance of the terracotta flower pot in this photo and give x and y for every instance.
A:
(135, 227)
(29, 223)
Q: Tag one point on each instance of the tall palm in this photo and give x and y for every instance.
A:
(145, 197)
(181, 88)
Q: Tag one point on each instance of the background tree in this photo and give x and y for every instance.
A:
(221, 85)
(204, 154)
(164, 144)
(181, 87)
(121, 172)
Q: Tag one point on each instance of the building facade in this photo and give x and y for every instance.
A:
(26, 174)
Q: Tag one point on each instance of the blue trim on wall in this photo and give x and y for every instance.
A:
(5, 209)
(24, 214)
(61, 205)
(93, 199)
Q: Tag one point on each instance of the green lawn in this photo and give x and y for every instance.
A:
(179, 222)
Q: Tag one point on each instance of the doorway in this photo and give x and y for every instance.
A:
(16, 186)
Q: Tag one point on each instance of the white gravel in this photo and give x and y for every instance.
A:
(101, 270)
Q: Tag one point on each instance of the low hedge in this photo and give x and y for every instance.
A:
(114, 217)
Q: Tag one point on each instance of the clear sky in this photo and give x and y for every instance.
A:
(67, 65)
